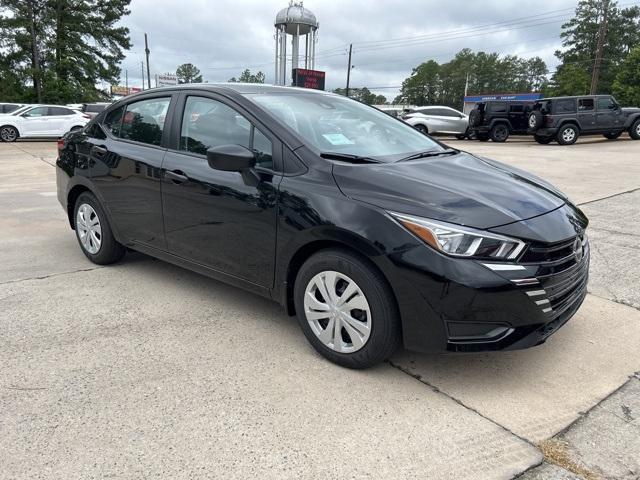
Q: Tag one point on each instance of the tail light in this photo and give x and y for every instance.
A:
(548, 120)
(84, 115)
(405, 116)
(60, 144)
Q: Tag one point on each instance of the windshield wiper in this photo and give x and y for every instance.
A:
(346, 157)
(430, 153)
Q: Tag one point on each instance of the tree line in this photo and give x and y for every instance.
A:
(58, 50)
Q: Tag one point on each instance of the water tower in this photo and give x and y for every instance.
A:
(297, 21)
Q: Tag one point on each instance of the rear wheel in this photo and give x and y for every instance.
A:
(634, 131)
(421, 128)
(499, 133)
(94, 232)
(543, 140)
(346, 309)
(8, 134)
(567, 135)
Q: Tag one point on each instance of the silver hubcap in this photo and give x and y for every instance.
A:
(568, 134)
(337, 312)
(532, 121)
(88, 227)
(638, 129)
(8, 134)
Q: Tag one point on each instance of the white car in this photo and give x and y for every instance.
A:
(40, 121)
(438, 119)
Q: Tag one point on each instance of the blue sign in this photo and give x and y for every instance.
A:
(510, 97)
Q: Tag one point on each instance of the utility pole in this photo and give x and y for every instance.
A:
(466, 89)
(349, 68)
(602, 33)
(142, 70)
(146, 51)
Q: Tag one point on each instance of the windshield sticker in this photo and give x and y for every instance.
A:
(337, 139)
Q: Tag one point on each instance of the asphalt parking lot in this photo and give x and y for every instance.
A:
(146, 370)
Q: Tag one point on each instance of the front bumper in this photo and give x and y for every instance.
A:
(462, 305)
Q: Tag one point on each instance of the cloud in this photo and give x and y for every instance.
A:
(222, 37)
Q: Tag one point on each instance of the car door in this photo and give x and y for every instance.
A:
(586, 113)
(608, 114)
(59, 118)
(35, 121)
(223, 220)
(125, 168)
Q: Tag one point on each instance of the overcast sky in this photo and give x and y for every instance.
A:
(222, 37)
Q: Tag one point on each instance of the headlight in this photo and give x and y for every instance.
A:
(461, 241)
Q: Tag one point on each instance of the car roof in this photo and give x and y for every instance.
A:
(241, 88)
(571, 97)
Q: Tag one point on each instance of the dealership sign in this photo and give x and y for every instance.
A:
(167, 80)
(122, 91)
(303, 77)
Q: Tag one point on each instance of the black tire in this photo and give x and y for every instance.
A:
(499, 132)
(475, 117)
(9, 133)
(612, 135)
(565, 137)
(384, 336)
(483, 137)
(634, 130)
(110, 251)
(534, 122)
(421, 128)
(462, 136)
(543, 140)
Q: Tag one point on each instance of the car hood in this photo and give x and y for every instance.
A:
(461, 188)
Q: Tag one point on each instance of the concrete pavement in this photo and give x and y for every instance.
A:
(144, 370)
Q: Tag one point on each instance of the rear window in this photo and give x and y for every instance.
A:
(498, 107)
(567, 105)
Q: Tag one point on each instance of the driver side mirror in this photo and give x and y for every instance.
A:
(231, 158)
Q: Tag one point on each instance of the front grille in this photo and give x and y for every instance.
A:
(562, 271)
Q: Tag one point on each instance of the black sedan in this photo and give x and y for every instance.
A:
(371, 232)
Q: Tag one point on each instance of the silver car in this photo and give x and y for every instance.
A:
(438, 119)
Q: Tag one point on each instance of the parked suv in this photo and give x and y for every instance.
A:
(369, 231)
(40, 121)
(438, 120)
(564, 119)
(496, 120)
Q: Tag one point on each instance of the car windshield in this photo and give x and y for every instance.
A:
(331, 124)
(20, 110)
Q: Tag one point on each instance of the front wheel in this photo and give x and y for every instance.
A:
(567, 135)
(499, 133)
(346, 309)
(94, 232)
(8, 134)
(634, 131)
(421, 128)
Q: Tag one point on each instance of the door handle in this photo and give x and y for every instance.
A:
(176, 176)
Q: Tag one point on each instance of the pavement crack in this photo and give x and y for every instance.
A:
(57, 274)
(608, 197)
(459, 402)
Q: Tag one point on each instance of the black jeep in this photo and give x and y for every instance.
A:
(496, 120)
(564, 119)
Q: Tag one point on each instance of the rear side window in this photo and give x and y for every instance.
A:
(585, 104)
(516, 108)
(498, 107)
(209, 123)
(143, 121)
(95, 131)
(567, 105)
(113, 121)
(60, 111)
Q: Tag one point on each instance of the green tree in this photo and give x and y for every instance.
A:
(626, 86)
(61, 49)
(247, 77)
(580, 39)
(363, 95)
(188, 73)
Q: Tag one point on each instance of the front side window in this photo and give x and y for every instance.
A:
(209, 123)
(606, 103)
(337, 125)
(143, 121)
(585, 104)
(36, 112)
